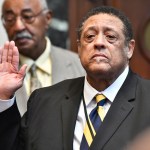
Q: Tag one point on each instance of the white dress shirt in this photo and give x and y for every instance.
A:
(5, 104)
(89, 93)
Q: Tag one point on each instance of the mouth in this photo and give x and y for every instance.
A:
(22, 40)
(99, 58)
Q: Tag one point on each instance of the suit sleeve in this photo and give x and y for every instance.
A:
(9, 128)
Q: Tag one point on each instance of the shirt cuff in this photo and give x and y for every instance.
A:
(5, 104)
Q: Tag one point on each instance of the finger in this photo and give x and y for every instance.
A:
(10, 52)
(1, 51)
(22, 70)
(15, 57)
(5, 52)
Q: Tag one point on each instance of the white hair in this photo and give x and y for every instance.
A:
(44, 3)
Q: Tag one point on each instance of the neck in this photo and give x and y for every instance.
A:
(100, 82)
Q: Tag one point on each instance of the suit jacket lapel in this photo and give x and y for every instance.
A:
(117, 113)
(58, 59)
(70, 108)
(55, 63)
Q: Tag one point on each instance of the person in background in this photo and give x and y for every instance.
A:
(141, 142)
(26, 23)
(104, 110)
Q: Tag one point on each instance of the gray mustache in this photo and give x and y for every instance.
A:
(22, 35)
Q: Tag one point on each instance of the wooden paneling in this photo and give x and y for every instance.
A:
(77, 9)
(139, 14)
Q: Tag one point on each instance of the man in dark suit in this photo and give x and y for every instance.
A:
(59, 117)
(26, 23)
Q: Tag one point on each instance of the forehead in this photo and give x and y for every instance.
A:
(19, 5)
(103, 21)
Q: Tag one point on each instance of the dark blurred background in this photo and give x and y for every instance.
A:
(68, 13)
(58, 31)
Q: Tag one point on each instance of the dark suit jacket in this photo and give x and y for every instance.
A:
(50, 121)
(65, 65)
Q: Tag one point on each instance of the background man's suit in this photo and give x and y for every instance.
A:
(52, 114)
(65, 65)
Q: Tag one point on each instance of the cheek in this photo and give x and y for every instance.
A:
(84, 51)
(119, 58)
(10, 33)
(84, 56)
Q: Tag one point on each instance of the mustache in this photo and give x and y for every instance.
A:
(23, 34)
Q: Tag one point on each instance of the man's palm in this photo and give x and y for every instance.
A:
(11, 78)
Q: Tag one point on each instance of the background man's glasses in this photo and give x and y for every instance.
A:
(9, 19)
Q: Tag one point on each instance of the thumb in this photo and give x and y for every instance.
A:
(22, 70)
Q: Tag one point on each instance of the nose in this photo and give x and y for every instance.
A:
(19, 24)
(100, 42)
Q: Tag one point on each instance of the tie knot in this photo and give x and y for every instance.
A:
(33, 70)
(100, 99)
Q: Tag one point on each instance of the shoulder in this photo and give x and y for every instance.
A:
(144, 83)
(63, 52)
(140, 80)
(63, 86)
(53, 93)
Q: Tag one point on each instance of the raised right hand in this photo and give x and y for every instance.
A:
(11, 78)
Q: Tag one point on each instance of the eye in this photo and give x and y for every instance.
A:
(89, 37)
(111, 38)
(9, 17)
(28, 17)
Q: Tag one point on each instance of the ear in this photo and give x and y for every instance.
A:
(131, 47)
(48, 17)
(79, 45)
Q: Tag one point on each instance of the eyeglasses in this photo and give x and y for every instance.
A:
(28, 17)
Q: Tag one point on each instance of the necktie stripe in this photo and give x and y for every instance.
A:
(101, 112)
(95, 119)
(93, 130)
(84, 145)
(88, 135)
(100, 97)
(87, 132)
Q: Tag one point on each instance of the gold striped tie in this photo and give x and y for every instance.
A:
(95, 119)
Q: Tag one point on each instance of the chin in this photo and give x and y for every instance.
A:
(24, 50)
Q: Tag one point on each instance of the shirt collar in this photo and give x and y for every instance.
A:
(110, 92)
(42, 62)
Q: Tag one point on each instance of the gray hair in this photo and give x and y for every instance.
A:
(44, 4)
